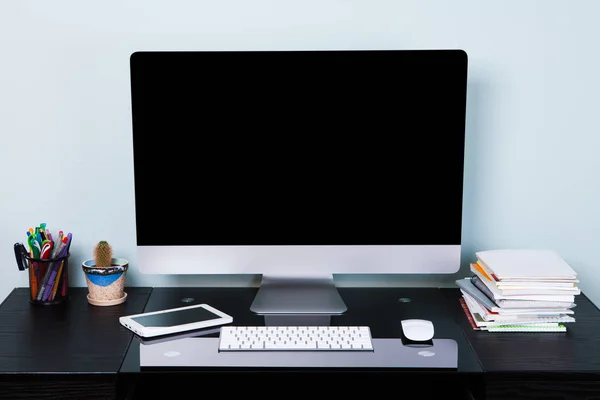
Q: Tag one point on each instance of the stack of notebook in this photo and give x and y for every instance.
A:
(519, 290)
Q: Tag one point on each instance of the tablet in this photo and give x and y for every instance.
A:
(175, 320)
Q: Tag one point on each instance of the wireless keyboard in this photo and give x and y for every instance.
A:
(291, 338)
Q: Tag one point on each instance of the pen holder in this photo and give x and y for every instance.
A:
(48, 279)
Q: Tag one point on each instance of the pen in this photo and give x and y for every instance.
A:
(60, 248)
(50, 284)
(68, 244)
(56, 248)
(65, 284)
(58, 242)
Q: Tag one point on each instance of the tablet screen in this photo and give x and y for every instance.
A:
(172, 318)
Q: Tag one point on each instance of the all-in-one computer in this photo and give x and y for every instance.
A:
(298, 165)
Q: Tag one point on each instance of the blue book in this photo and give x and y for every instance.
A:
(479, 284)
(466, 284)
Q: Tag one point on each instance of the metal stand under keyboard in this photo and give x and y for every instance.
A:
(292, 338)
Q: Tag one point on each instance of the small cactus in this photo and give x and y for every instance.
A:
(103, 254)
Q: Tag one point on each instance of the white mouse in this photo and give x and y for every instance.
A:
(417, 330)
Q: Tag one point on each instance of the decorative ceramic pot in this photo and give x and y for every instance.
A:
(106, 286)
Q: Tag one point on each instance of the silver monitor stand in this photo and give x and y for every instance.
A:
(304, 301)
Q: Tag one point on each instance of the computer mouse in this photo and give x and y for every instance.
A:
(417, 330)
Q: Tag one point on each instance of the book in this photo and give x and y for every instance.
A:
(539, 327)
(538, 284)
(479, 284)
(521, 287)
(483, 324)
(524, 287)
(513, 312)
(520, 264)
(535, 291)
(466, 285)
(497, 295)
(528, 315)
(518, 303)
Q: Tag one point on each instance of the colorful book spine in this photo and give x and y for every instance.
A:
(465, 308)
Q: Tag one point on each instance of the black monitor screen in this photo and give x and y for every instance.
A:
(298, 147)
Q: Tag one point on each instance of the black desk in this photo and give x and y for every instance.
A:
(93, 357)
(549, 365)
(68, 351)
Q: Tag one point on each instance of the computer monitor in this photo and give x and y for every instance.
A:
(298, 165)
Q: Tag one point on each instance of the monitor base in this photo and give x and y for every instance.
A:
(287, 298)
(297, 320)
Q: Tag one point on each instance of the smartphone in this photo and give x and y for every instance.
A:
(175, 320)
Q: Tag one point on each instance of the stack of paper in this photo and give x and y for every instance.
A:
(519, 290)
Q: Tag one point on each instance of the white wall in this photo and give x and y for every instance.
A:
(532, 135)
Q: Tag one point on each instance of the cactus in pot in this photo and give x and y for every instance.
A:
(105, 276)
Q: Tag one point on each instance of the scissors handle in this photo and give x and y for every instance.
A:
(35, 246)
(19, 252)
(46, 248)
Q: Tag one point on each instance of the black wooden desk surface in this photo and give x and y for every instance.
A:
(78, 351)
(68, 351)
(543, 365)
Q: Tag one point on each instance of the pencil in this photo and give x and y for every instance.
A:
(57, 279)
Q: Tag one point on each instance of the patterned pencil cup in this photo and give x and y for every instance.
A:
(48, 279)
(106, 285)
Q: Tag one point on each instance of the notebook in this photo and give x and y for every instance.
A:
(519, 264)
